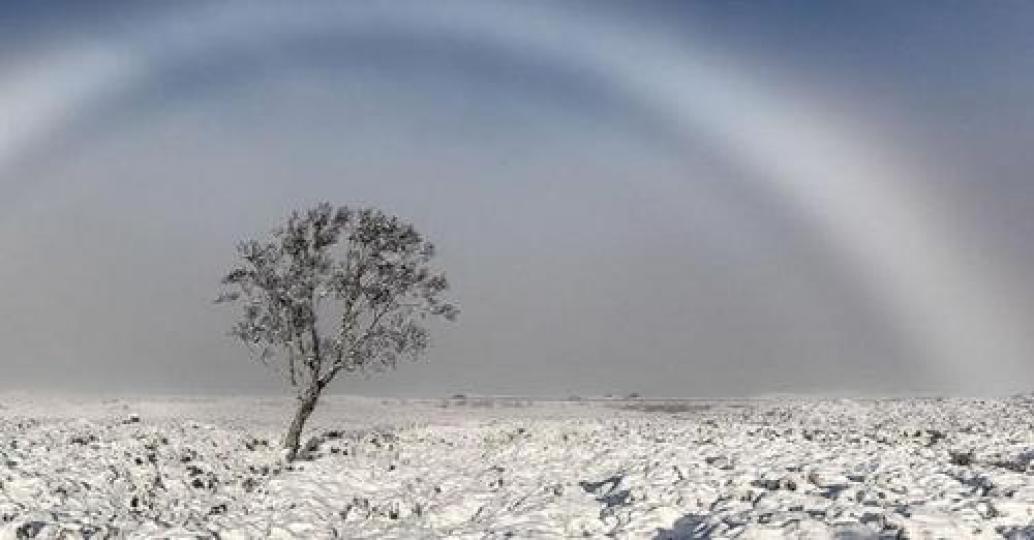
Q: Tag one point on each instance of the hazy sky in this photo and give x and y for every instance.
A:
(693, 199)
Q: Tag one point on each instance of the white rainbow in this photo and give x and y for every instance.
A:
(861, 200)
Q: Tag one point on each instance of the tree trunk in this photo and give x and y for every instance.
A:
(306, 404)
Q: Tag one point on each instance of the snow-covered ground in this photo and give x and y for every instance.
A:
(508, 468)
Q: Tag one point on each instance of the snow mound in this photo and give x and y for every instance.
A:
(420, 469)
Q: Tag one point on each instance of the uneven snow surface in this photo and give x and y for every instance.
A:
(503, 468)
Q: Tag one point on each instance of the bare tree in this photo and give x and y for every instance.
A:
(334, 290)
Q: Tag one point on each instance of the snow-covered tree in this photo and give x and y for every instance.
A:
(334, 290)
